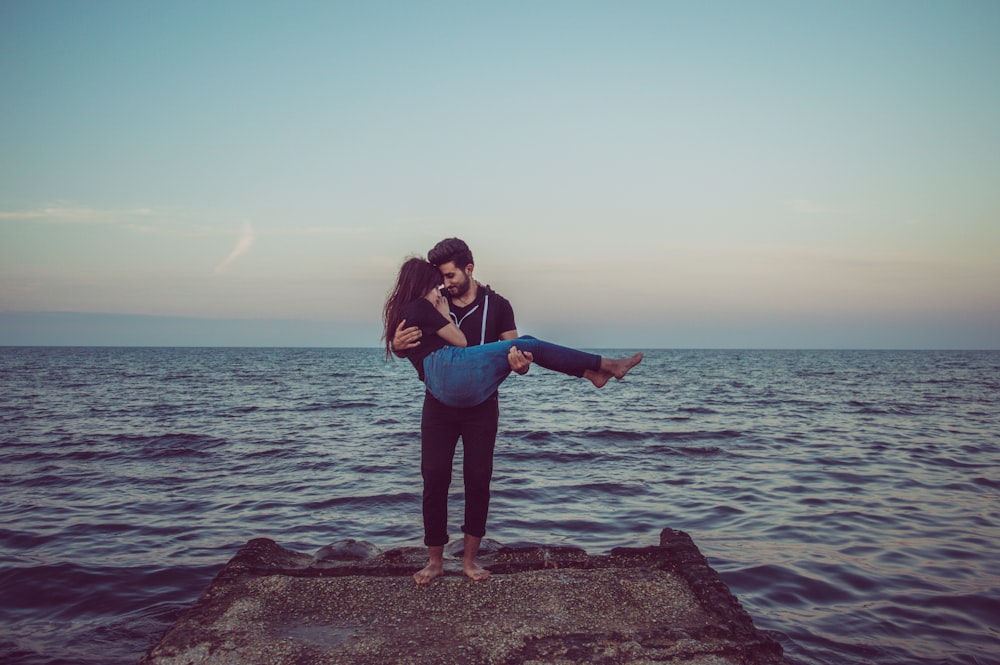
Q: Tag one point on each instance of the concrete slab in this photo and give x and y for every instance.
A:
(355, 605)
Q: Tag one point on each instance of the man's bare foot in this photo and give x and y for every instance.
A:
(429, 573)
(612, 367)
(435, 565)
(469, 566)
(475, 571)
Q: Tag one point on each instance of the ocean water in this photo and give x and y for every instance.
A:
(850, 499)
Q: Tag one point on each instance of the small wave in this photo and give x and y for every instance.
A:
(696, 435)
(941, 460)
(616, 489)
(986, 482)
(327, 406)
(178, 445)
(37, 481)
(22, 540)
(868, 409)
(670, 450)
(95, 448)
(542, 455)
(706, 450)
(700, 410)
(381, 501)
(534, 436)
(613, 435)
(352, 405)
(602, 435)
(176, 377)
(787, 587)
(78, 455)
(240, 411)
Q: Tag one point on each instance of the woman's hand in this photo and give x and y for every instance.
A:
(440, 303)
(450, 333)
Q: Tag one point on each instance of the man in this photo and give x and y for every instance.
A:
(483, 316)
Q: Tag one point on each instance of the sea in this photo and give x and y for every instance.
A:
(849, 499)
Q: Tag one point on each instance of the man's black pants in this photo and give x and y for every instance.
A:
(440, 428)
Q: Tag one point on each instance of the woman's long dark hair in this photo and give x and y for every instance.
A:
(416, 278)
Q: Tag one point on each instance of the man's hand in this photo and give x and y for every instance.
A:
(519, 361)
(405, 338)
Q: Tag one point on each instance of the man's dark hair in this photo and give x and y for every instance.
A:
(451, 250)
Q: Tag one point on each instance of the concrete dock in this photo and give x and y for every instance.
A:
(352, 604)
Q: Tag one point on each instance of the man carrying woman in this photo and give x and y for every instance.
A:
(462, 340)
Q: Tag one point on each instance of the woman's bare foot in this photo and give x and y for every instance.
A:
(621, 366)
(597, 377)
(612, 367)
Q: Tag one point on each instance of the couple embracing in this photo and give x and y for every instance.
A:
(461, 337)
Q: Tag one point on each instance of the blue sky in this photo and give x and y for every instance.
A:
(628, 174)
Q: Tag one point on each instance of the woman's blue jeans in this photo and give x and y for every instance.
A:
(464, 377)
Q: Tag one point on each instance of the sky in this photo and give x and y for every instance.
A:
(628, 174)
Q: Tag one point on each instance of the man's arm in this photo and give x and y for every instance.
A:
(405, 339)
(518, 360)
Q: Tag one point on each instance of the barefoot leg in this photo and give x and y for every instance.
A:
(619, 367)
(597, 377)
(434, 568)
(469, 565)
(611, 368)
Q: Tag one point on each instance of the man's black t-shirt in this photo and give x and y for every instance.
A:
(497, 310)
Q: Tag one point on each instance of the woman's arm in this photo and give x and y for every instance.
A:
(450, 333)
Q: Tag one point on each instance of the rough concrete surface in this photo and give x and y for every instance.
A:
(352, 604)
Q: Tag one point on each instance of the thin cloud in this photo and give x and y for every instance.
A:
(334, 230)
(243, 245)
(807, 207)
(317, 231)
(68, 214)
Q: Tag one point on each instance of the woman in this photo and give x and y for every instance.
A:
(461, 376)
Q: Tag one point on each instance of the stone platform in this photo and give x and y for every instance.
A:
(352, 604)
